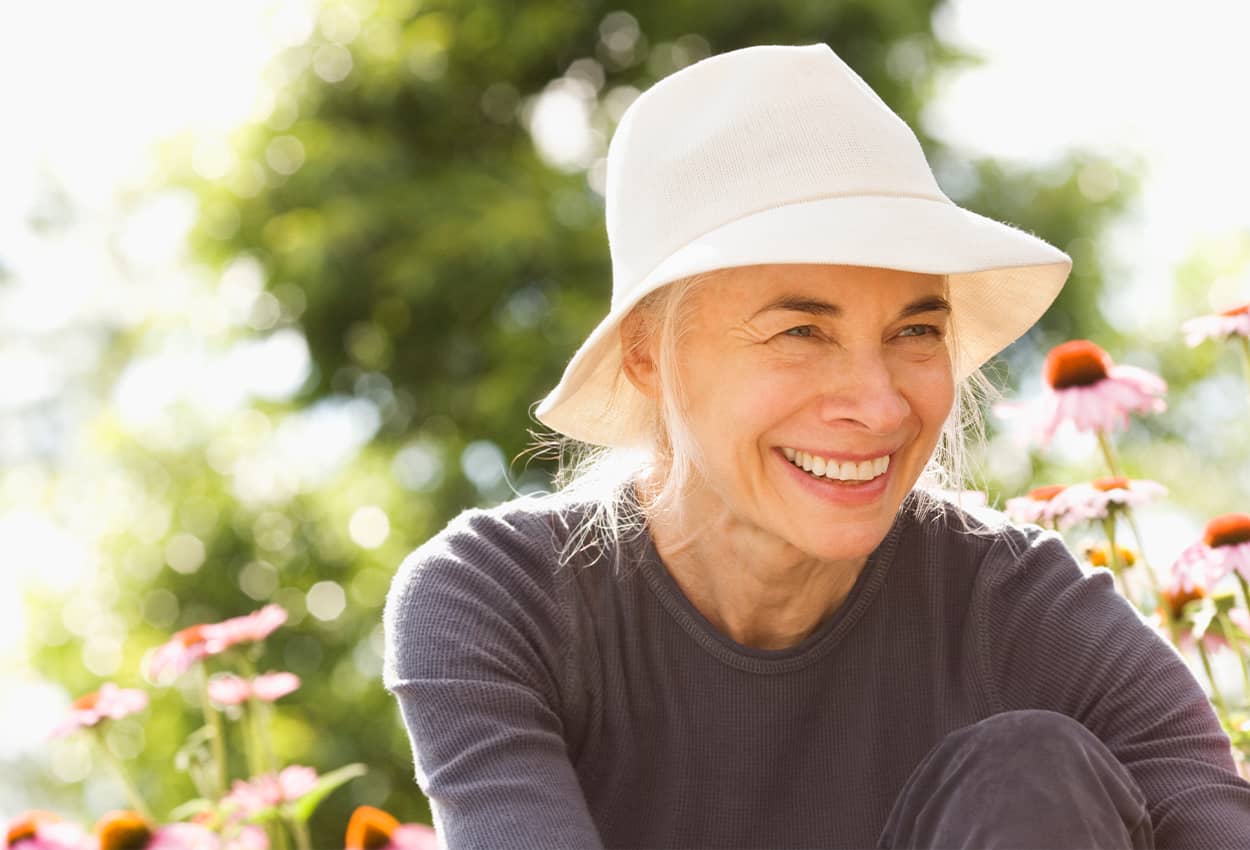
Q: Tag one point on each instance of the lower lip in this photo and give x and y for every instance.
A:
(859, 493)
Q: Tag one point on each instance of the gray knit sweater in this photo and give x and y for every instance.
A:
(577, 707)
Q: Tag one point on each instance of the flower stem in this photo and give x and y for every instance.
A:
(1113, 463)
(136, 799)
(254, 764)
(266, 747)
(1108, 526)
(300, 829)
(1108, 453)
(1226, 626)
(1245, 589)
(213, 718)
(265, 758)
(1141, 547)
(1215, 690)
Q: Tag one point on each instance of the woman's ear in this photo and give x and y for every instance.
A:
(637, 357)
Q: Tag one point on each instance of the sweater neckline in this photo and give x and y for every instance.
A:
(751, 659)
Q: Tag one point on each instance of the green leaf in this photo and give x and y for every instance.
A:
(1201, 616)
(1225, 602)
(301, 810)
(1236, 631)
(195, 749)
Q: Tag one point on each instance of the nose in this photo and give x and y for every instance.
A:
(864, 390)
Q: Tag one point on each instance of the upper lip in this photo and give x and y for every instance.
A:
(844, 457)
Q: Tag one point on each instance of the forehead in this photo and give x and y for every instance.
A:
(744, 290)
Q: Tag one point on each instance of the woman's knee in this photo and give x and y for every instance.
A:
(1020, 776)
(1028, 733)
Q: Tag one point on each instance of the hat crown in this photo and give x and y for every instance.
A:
(745, 131)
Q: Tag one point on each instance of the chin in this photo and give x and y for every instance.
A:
(847, 545)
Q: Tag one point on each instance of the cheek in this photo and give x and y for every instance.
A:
(933, 399)
(739, 400)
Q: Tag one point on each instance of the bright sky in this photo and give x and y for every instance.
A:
(1118, 76)
(91, 86)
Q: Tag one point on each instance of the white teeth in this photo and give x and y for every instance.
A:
(865, 470)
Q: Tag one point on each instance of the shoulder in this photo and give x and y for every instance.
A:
(523, 532)
(1027, 587)
(490, 575)
(976, 535)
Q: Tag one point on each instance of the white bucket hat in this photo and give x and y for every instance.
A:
(783, 154)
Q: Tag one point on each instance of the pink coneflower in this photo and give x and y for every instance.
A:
(251, 627)
(175, 657)
(1222, 325)
(1099, 498)
(233, 835)
(1173, 598)
(233, 690)
(1223, 549)
(1084, 386)
(108, 702)
(128, 830)
(373, 829)
(270, 789)
(1176, 597)
(42, 830)
(1037, 506)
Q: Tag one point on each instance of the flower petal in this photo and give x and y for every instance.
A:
(271, 686)
(228, 689)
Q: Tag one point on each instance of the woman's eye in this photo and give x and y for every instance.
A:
(920, 330)
(803, 332)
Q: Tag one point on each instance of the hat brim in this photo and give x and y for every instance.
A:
(1001, 281)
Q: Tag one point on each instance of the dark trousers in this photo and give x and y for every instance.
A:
(1021, 780)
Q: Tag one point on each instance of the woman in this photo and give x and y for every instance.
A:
(744, 621)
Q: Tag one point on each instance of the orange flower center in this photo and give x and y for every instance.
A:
(26, 826)
(191, 636)
(1177, 600)
(1227, 530)
(1045, 494)
(370, 829)
(1106, 485)
(1077, 363)
(86, 701)
(1236, 311)
(123, 830)
(1099, 556)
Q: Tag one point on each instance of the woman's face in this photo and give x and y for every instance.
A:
(849, 364)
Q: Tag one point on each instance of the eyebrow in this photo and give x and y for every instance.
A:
(817, 307)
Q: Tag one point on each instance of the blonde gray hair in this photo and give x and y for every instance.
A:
(596, 475)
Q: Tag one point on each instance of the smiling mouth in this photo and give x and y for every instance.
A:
(828, 469)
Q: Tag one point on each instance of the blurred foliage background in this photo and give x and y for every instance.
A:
(398, 260)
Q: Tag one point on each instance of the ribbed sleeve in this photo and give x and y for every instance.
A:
(1052, 636)
(476, 647)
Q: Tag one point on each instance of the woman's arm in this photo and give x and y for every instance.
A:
(1055, 637)
(476, 648)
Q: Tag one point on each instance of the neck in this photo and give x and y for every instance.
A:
(754, 587)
